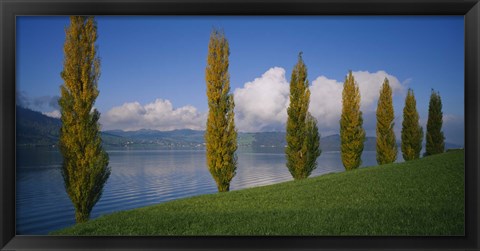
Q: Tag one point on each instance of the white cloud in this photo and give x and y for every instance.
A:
(159, 115)
(53, 114)
(454, 129)
(451, 118)
(370, 84)
(326, 97)
(326, 102)
(37, 103)
(262, 104)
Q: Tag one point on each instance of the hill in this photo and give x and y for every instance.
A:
(423, 197)
(36, 129)
(184, 138)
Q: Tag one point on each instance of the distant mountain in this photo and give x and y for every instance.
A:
(36, 129)
(265, 140)
(184, 138)
(269, 139)
(449, 145)
(151, 136)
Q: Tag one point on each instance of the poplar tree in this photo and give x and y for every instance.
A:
(220, 134)
(435, 138)
(352, 134)
(412, 132)
(85, 164)
(386, 142)
(300, 162)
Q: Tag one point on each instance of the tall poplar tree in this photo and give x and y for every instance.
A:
(412, 132)
(85, 164)
(352, 134)
(386, 142)
(220, 135)
(299, 162)
(435, 138)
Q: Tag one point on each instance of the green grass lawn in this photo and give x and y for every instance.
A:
(421, 197)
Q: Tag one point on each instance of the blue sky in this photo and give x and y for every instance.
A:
(152, 68)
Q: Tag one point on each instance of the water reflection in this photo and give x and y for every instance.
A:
(140, 178)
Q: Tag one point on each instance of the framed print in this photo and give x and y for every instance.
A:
(239, 125)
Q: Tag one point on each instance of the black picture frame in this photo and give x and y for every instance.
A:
(9, 9)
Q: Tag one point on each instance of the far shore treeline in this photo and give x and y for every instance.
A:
(85, 168)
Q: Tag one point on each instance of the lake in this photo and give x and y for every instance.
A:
(140, 178)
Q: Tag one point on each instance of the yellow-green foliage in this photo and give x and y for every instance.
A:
(220, 135)
(386, 142)
(435, 139)
(85, 164)
(300, 151)
(352, 134)
(412, 132)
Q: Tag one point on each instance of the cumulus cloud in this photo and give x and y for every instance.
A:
(37, 103)
(451, 118)
(370, 84)
(454, 129)
(22, 99)
(53, 114)
(326, 102)
(326, 98)
(43, 104)
(158, 115)
(261, 105)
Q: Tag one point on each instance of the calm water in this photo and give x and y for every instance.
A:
(139, 178)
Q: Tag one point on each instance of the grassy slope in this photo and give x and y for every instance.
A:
(422, 197)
